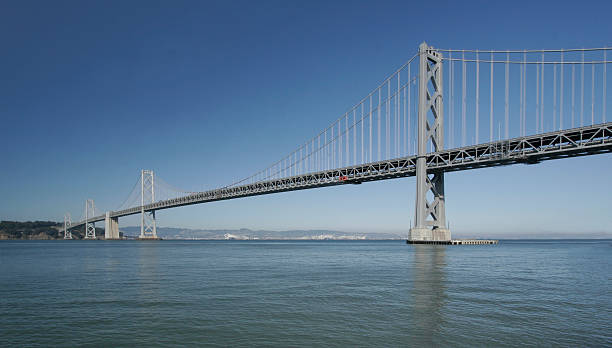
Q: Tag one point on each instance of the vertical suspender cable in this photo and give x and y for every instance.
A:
(562, 67)
(416, 113)
(340, 148)
(582, 91)
(346, 139)
(321, 156)
(507, 106)
(554, 97)
(310, 157)
(477, 96)
(354, 136)
(395, 119)
(337, 147)
(537, 110)
(573, 94)
(370, 142)
(388, 121)
(525, 93)
(332, 148)
(318, 154)
(592, 94)
(339, 143)
(521, 99)
(491, 104)
(603, 111)
(405, 119)
(313, 155)
(542, 97)
(341, 135)
(409, 110)
(378, 128)
(362, 122)
(463, 106)
(451, 106)
(326, 156)
(398, 105)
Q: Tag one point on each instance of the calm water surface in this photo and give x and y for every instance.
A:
(256, 293)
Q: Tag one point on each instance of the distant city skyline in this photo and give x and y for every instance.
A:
(205, 93)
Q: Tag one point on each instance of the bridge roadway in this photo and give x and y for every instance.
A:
(531, 149)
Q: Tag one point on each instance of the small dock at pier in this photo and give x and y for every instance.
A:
(455, 242)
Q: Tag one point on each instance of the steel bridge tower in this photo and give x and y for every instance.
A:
(67, 224)
(148, 229)
(430, 218)
(90, 212)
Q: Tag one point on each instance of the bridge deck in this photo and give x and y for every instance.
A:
(529, 149)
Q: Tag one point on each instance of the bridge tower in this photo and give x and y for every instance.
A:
(430, 219)
(148, 230)
(90, 212)
(67, 224)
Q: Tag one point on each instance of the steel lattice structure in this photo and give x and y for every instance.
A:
(430, 132)
(67, 226)
(90, 221)
(148, 229)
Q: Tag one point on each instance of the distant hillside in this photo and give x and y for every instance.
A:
(51, 230)
(245, 234)
(39, 230)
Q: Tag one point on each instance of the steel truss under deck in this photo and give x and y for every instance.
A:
(532, 149)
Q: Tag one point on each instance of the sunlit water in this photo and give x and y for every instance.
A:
(257, 293)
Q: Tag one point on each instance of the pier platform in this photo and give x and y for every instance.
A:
(455, 242)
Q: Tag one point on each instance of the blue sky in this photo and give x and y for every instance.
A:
(208, 92)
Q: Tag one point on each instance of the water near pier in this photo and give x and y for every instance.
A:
(359, 293)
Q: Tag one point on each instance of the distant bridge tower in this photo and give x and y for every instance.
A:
(430, 221)
(90, 212)
(148, 230)
(67, 224)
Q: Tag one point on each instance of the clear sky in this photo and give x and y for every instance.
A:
(204, 93)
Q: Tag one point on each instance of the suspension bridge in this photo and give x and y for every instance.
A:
(500, 107)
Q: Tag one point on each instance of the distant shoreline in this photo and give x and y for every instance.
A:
(51, 230)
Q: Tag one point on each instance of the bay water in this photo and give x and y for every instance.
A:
(305, 293)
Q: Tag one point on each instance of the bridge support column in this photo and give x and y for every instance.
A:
(111, 227)
(430, 219)
(148, 228)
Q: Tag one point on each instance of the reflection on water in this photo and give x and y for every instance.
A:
(428, 291)
(149, 272)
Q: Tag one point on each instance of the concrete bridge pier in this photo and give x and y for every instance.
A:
(430, 216)
(111, 227)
